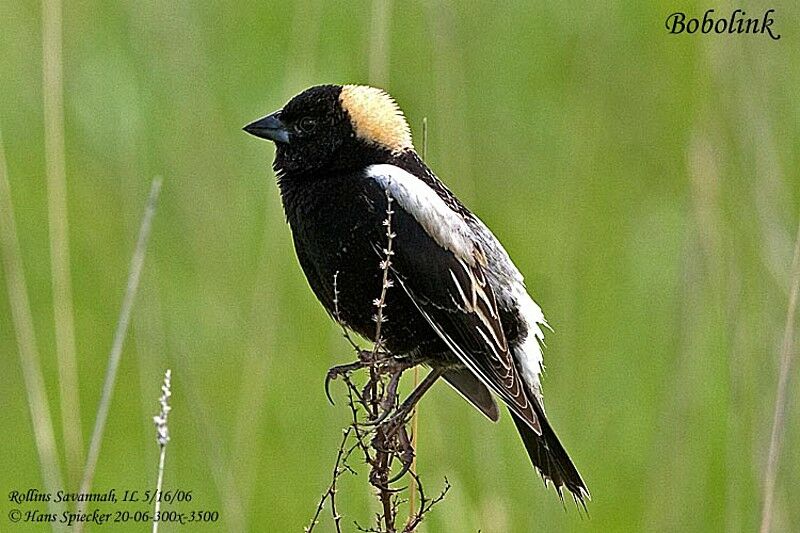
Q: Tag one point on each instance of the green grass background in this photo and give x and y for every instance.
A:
(646, 184)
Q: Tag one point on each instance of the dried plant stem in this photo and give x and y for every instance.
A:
(52, 74)
(779, 416)
(382, 438)
(379, 476)
(161, 458)
(330, 494)
(162, 436)
(137, 262)
(22, 319)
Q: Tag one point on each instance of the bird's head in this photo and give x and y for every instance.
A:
(335, 127)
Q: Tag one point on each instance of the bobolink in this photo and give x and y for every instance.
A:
(341, 152)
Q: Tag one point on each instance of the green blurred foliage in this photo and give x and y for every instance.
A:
(646, 184)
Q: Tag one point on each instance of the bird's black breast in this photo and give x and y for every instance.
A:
(337, 223)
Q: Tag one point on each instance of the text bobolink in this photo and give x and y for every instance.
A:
(462, 308)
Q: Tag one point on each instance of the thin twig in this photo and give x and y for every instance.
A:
(162, 437)
(385, 439)
(779, 417)
(137, 262)
(53, 93)
(35, 390)
(360, 437)
(379, 476)
(424, 505)
(330, 493)
(386, 283)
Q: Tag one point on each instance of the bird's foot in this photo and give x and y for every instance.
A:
(395, 368)
(367, 358)
(399, 446)
(339, 371)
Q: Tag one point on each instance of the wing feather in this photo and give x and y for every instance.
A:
(443, 271)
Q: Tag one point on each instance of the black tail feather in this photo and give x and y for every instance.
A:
(551, 459)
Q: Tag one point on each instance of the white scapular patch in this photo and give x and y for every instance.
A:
(376, 117)
(458, 235)
(448, 228)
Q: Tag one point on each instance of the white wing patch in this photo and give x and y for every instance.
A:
(447, 227)
(528, 351)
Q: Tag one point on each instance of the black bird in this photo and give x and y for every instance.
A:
(462, 308)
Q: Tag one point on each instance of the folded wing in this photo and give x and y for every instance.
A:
(442, 269)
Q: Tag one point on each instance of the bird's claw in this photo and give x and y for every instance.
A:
(340, 370)
(406, 455)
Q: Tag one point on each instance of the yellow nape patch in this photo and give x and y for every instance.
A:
(376, 117)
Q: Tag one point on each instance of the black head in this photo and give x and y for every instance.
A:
(334, 126)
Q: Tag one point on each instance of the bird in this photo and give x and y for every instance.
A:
(344, 156)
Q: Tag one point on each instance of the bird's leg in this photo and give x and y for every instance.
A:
(380, 364)
(365, 359)
(390, 394)
(399, 415)
(395, 368)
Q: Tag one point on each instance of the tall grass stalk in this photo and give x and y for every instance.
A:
(35, 390)
(53, 93)
(379, 39)
(779, 416)
(137, 262)
(162, 437)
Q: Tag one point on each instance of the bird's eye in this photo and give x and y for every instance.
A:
(308, 124)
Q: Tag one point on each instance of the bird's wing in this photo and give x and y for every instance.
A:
(443, 270)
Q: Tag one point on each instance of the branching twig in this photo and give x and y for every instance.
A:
(378, 426)
(424, 505)
(338, 468)
(381, 466)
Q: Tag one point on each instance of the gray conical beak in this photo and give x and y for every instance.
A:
(270, 127)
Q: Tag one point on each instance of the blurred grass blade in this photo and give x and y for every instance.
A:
(26, 341)
(379, 39)
(779, 416)
(53, 91)
(137, 261)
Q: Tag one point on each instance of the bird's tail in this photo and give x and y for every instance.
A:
(551, 459)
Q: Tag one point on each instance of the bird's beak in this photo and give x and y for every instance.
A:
(270, 127)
